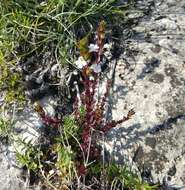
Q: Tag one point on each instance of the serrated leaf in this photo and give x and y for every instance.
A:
(83, 47)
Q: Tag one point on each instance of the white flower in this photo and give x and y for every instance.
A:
(91, 78)
(51, 172)
(107, 46)
(80, 63)
(75, 72)
(93, 48)
(39, 80)
(54, 69)
(96, 68)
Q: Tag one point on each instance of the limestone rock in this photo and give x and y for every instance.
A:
(150, 77)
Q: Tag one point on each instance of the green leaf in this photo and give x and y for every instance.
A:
(83, 47)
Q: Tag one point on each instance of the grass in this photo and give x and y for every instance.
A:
(7, 122)
(30, 27)
(5, 128)
(35, 24)
(11, 81)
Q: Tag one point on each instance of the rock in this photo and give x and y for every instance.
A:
(28, 127)
(153, 83)
(9, 175)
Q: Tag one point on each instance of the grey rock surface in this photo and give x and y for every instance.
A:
(150, 77)
(28, 128)
(9, 174)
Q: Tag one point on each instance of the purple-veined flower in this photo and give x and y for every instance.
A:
(80, 62)
(93, 48)
(96, 68)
